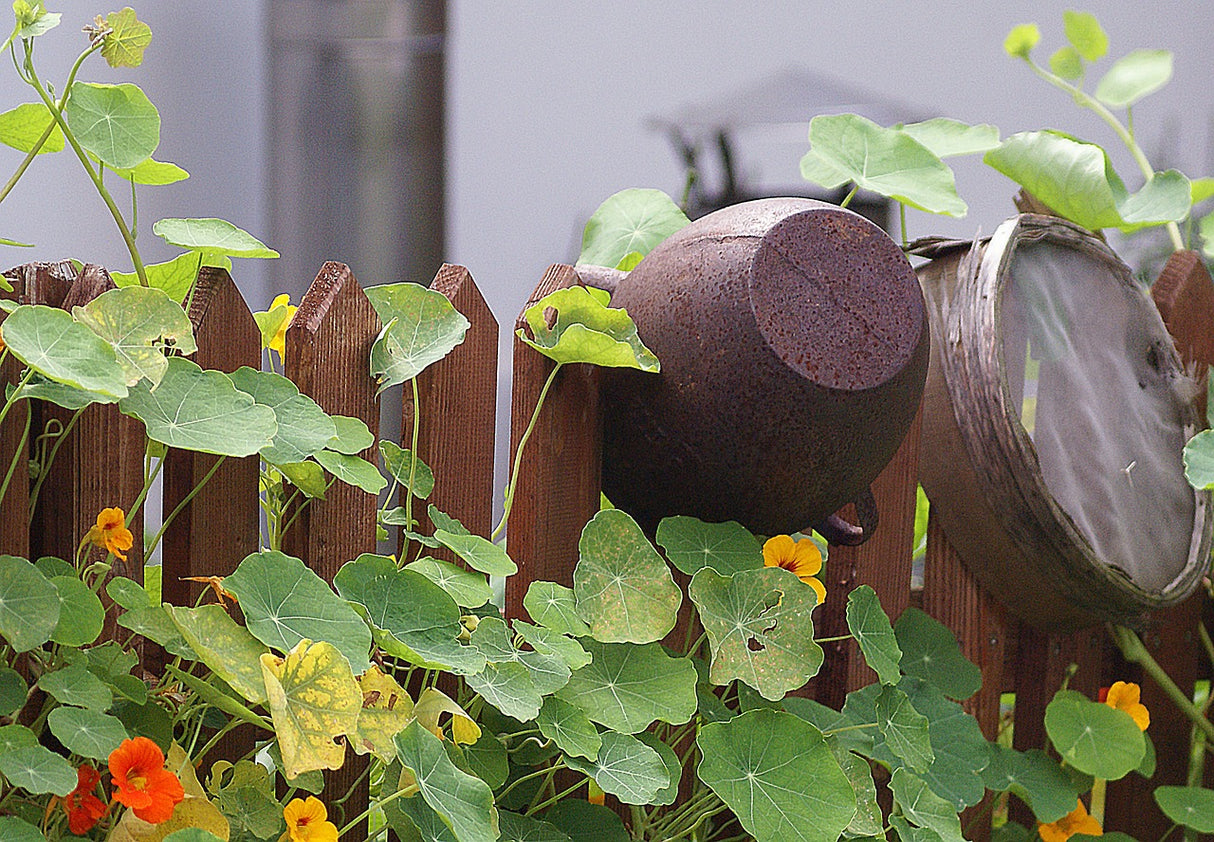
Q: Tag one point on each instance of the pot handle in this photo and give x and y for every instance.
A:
(838, 531)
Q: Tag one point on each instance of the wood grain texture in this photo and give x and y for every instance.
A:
(219, 526)
(99, 465)
(558, 485)
(458, 396)
(883, 562)
(328, 345)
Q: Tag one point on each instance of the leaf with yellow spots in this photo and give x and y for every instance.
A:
(313, 698)
(386, 709)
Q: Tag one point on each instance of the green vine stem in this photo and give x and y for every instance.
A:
(1134, 651)
(518, 454)
(1126, 135)
(94, 175)
(198, 486)
(17, 458)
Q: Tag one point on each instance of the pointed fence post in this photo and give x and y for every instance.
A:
(328, 346)
(33, 283)
(218, 526)
(99, 465)
(557, 490)
(458, 396)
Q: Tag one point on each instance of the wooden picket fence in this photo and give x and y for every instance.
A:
(100, 463)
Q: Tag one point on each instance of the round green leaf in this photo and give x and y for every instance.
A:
(153, 622)
(1086, 34)
(284, 602)
(80, 612)
(13, 691)
(124, 43)
(212, 236)
(759, 628)
(585, 330)
(1093, 737)
(480, 553)
(464, 802)
(127, 593)
(352, 470)
(414, 618)
(304, 429)
(16, 736)
(68, 397)
(1067, 63)
(567, 726)
(1021, 40)
(308, 477)
(55, 345)
(1190, 806)
(117, 123)
(925, 808)
(548, 642)
(725, 547)
(467, 588)
(516, 828)
(626, 686)
(140, 324)
(583, 821)
(191, 834)
(224, 645)
(946, 138)
(778, 776)
(905, 729)
(23, 126)
(624, 590)
(156, 173)
(421, 326)
(848, 147)
(13, 829)
(552, 605)
(930, 651)
(38, 771)
(960, 750)
(352, 437)
(871, 628)
(1164, 198)
(400, 465)
(200, 410)
(29, 604)
(88, 733)
(626, 768)
(75, 685)
(1035, 777)
(628, 223)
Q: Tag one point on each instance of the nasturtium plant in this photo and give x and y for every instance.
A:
(211, 237)
(174, 276)
(627, 226)
(420, 327)
(53, 344)
(585, 330)
(24, 126)
(691, 544)
(1093, 737)
(117, 123)
(140, 324)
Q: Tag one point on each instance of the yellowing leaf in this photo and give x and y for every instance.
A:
(127, 39)
(192, 812)
(432, 704)
(386, 709)
(313, 698)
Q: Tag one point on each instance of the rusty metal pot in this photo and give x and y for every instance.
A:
(794, 347)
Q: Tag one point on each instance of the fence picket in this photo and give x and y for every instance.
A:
(557, 490)
(328, 345)
(458, 396)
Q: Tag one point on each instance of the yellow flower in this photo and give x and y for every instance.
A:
(110, 532)
(279, 342)
(1125, 696)
(801, 558)
(307, 821)
(1076, 821)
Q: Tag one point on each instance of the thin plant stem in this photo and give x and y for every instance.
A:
(17, 457)
(45, 470)
(8, 405)
(535, 808)
(518, 454)
(378, 804)
(847, 199)
(1133, 650)
(902, 219)
(151, 548)
(143, 492)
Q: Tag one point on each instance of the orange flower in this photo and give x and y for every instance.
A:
(84, 809)
(142, 783)
(307, 822)
(1125, 696)
(110, 532)
(279, 341)
(801, 558)
(1076, 821)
